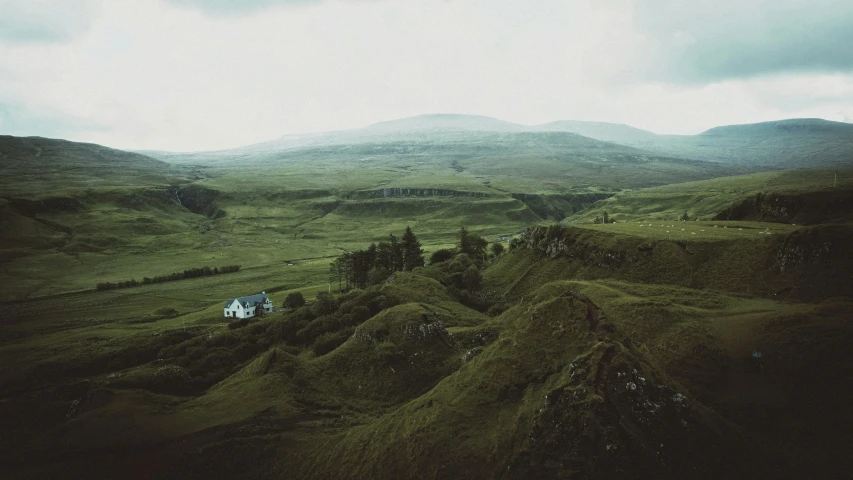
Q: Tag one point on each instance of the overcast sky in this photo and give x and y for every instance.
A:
(208, 74)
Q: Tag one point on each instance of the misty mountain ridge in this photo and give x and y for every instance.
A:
(791, 125)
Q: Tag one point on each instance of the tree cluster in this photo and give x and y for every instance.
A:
(376, 263)
(470, 244)
(191, 273)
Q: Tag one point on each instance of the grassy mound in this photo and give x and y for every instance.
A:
(806, 263)
(551, 397)
(394, 356)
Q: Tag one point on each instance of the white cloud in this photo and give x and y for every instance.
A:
(45, 21)
(166, 77)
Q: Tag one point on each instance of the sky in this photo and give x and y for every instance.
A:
(188, 75)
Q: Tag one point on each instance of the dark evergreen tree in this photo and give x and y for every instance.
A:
(337, 270)
(413, 254)
(385, 256)
(396, 253)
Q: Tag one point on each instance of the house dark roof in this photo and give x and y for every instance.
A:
(251, 299)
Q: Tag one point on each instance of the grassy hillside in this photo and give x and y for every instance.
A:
(791, 143)
(708, 198)
(35, 166)
(584, 372)
(794, 143)
(593, 351)
(122, 216)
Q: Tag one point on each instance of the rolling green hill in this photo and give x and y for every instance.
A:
(94, 214)
(809, 197)
(36, 166)
(588, 351)
(607, 353)
(793, 143)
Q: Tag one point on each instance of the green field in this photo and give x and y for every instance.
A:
(619, 350)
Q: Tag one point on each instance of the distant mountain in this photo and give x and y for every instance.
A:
(446, 122)
(794, 126)
(608, 132)
(792, 143)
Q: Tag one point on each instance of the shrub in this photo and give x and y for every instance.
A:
(293, 300)
(223, 339)
(239, 323)
(360, 314)
(324, 304)
(472, 279)
(441, 255)
(288, 329)
(214, 363)
(378, 275)
(329, 341)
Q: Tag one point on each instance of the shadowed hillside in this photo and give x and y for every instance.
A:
(646, 348)
(803, 196)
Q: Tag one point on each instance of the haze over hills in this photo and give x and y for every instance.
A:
(633, 336)
(768, 145)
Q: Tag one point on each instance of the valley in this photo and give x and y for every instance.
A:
(585, 350)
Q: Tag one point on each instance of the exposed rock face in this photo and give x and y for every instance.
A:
(556, 242)
(822, 245)
(199, 200)
(811, 263)
(802, 208)
(413, 192)
(616, 417)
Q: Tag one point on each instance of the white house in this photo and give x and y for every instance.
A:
(246, 307)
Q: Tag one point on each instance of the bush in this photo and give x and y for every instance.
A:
(191, 273)
(288, 329)
(324, 304)
(472, 279)
(497, 249)
(329, 341)
(360, 314)
(215, 363)
(293, 300)
(239, 323)
(378, 275)
(441, 255)
(223, 339)
(317, 327)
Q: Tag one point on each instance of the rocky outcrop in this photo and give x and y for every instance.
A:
(400, 192)
(198, 200)
(808, 208)
(558, 242)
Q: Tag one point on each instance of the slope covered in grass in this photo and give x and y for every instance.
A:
(808, 192)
